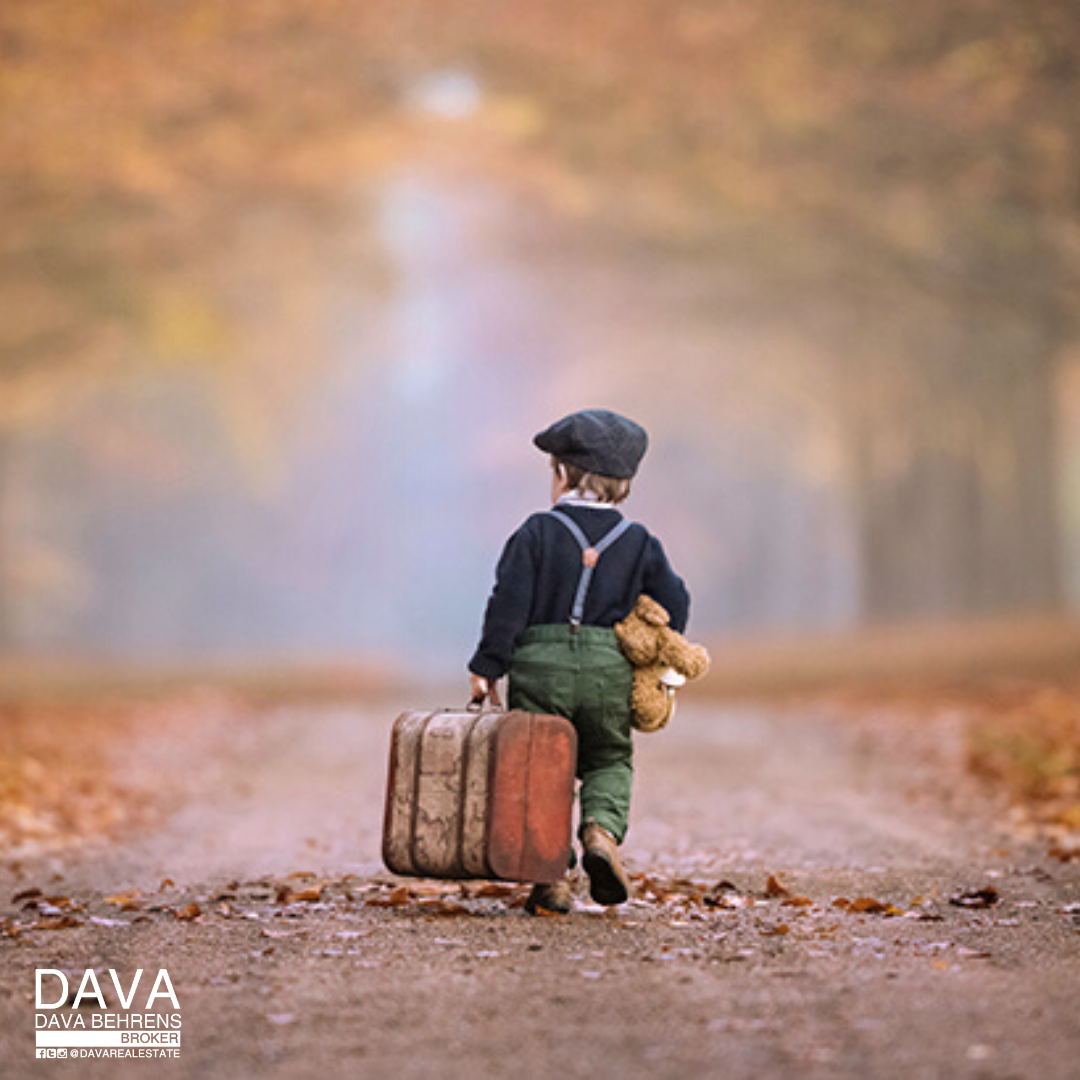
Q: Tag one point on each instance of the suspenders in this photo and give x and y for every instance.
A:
(590, 555)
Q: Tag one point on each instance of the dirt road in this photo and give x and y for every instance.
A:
(335, 971)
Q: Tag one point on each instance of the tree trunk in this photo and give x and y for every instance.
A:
(955, 481)
(5, 532)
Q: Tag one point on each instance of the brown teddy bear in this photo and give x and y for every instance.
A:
(663, 660)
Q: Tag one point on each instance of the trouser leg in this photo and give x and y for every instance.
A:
(605, 797)
(605, 747)
(589, 682)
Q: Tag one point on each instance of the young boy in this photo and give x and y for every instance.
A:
(563, 581)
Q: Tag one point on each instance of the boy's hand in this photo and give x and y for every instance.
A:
(481, 688)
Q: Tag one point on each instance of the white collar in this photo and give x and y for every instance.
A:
(584, 498)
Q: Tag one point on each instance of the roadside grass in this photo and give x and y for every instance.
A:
(57, 783)
(1026, 741)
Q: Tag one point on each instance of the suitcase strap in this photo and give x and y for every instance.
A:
(590, 555)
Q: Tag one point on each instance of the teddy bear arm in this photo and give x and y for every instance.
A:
(648, 699)
(687, 659)
(639, 645)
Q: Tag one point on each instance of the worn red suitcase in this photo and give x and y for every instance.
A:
(480, 795)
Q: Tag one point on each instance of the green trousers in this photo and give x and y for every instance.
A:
(581, 674)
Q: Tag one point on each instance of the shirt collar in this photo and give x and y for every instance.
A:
(577, 497)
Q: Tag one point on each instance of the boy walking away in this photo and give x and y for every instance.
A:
(564, 579)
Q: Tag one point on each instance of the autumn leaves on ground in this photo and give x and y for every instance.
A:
(852, 884)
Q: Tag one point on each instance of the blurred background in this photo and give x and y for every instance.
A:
(287, 288)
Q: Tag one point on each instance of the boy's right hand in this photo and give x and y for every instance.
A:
(481, 689)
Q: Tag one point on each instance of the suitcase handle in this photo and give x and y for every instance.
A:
(491, 699)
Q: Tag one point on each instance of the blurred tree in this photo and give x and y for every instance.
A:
(904, 176)
(912, 171)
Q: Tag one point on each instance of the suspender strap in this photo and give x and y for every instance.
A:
(588, 565)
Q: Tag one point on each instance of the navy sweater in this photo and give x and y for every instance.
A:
(538, 575)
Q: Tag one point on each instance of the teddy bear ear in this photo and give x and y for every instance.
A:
(650, 611)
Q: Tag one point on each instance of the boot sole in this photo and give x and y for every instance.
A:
(543, 909)
(605, 886)
(535, 908)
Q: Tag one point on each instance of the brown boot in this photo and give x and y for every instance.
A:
(608, 883)
(555, 897)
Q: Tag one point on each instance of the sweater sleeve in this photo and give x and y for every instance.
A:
(509, 607)
(665, 586)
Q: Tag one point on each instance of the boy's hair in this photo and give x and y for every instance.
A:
(606, 488)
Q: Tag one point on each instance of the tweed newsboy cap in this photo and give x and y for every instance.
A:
(597, 441)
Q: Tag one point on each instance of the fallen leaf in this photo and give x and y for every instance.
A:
(434, 888)
(492, 890)
(724, 894)
(975, 898)
(189, 912)
(61, 922)
(776, 931)
(398, 897)
(308, 895)
(729, 901)
(441, 907)
(773, 888)
(166, 883)
(798, 901)
(122, 898)
(26, 894)
(867, 905)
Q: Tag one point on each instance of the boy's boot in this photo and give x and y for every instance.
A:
(608, 883)
(555, 897)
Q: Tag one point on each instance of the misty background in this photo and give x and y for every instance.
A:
(286, 292)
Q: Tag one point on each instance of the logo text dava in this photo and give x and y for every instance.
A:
(89, 992)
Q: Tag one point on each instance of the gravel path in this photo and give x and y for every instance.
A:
(338, 970)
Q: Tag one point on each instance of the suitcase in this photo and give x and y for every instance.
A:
(480, 794)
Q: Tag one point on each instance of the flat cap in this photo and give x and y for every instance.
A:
(597, 441)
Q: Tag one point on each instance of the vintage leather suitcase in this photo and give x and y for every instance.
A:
(480, 794)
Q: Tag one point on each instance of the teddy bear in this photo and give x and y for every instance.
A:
(663, 660)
